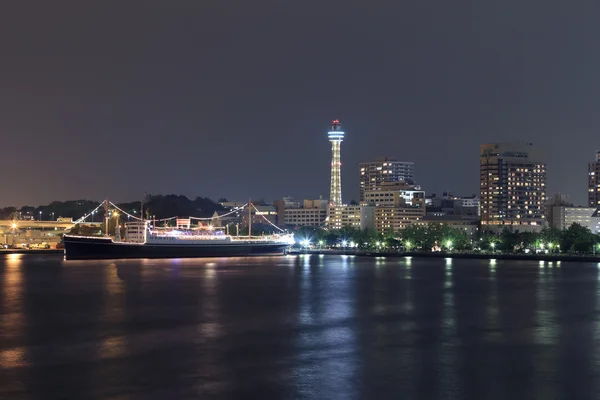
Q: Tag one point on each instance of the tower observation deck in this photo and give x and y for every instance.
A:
(336, 135)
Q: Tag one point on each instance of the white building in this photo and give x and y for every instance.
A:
(313, 217)
(467, 202)
(358, 217)
(394, 198)
(313, 212)
(562, 217)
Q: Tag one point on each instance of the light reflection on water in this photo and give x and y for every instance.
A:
(448, 273)
(326, 334)
(299, 326)
(12, 321)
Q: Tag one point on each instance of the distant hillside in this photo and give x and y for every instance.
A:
(160, 206)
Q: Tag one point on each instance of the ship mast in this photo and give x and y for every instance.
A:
(249, 218)
(106, 217)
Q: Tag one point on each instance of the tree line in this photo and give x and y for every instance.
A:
(575, 239)
(158, 206)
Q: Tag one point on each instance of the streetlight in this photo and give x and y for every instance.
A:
(449, 244)
(344, 243)
(116, 215)
(320, 244)
(40, 215)
(407, 245)
(13, 226)
(306, 243)
(493, 244)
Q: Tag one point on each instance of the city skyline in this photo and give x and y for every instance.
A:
(232, 99)
(337, 126)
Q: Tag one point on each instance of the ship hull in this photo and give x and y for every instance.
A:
(87, 248)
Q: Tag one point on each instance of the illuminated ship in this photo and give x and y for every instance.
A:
(143, 240)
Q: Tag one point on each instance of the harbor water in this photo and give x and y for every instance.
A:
(298, 327)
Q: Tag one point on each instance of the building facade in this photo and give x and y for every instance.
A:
(313, 213)
(513, 186)
(395, 198)
(374, 174)
(358, 217)
(312, 217)
(396, 218)
(469, 226)
(260, 215)
(397, 205)
(594, 182)
(562, 217)
(449, 204)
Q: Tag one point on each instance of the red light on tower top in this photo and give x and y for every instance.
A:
(336, 125)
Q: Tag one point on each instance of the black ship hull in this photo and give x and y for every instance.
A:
(89, 248)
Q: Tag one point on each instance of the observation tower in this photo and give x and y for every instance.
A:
(336, 135)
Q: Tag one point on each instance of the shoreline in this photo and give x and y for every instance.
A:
(473, 256)
(364, 253)
(4, 252)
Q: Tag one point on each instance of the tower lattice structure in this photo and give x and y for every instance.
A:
(336, 135)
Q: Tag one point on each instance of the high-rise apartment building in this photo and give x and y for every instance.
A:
(594, 182)
(336, 135)
(397, 205)
(373, 174)
(513, 186)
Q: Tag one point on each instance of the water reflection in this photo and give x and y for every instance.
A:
(448, 273)
(325, 338)
(12, 323)
(517, 306)
(449, 347)
(299, 327)
(345, 262)
(493, 263)
(575, 302)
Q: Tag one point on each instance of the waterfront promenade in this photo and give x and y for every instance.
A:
(461, 255)
(391, 254)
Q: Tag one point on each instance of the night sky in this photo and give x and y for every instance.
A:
(234, 98)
